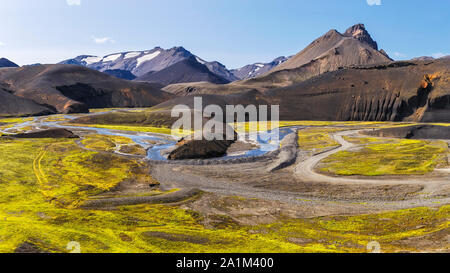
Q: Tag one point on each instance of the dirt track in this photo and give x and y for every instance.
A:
(305, 170)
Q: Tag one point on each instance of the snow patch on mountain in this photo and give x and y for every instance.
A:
(112, 58)
(257, 69)
(140, 63)
(131, 55)
(92, 59)
(200, 60)
(147, 58)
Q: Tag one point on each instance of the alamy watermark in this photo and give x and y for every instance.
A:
(213, 122)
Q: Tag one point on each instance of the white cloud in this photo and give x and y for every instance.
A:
(73, 2)
(439, 55)
(374, 2)
(400, 55)
(2, 43)
(102, 40)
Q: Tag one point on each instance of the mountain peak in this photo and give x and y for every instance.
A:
(179, 49)
(7, 63)
(359, 32)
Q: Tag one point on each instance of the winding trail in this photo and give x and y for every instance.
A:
(306, 170)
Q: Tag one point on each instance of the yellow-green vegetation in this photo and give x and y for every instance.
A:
(330, 123)
(317, 139)
(146, 129)
(132, 149)
(110, 143)
(107, 143)
(55, 118)
(42, 182)
(102, 110)
(348, 124)
(132, 110)
(15, 120)
(63, 173)
(264, 126)
(253, 126)
(398, 157)
(11, 122)
(441, 124)
(353, 233)
(364, 140)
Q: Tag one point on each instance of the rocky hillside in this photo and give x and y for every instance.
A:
(398, 91)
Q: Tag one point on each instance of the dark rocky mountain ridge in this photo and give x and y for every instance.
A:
(141, 63)
(189, 70)
(7, 63)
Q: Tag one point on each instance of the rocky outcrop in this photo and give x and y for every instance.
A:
(200, 149)
(360, 33)
(288, 153)
(210, 145)
(51, 133)
(28, 247)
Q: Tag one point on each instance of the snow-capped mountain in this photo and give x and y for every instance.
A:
(140, 63)
(257, 69)
(137, 62)
(189, 70)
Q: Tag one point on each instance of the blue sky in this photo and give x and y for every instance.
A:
(234, 32)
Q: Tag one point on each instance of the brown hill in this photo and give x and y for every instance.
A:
(399, 91)
(12, 105)
(334, 50)
(75, 89)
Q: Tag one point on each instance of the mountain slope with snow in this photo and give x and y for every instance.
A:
(141, 63)
(257, 69)
(189, 70)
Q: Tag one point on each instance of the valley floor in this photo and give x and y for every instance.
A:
(341, 191)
